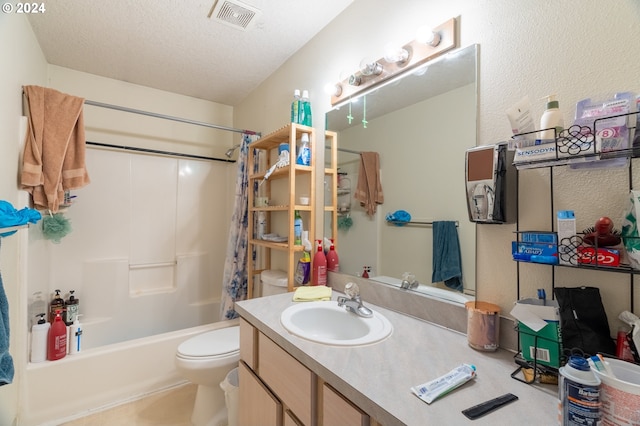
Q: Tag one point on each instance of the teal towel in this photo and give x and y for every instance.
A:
(447, 260)
(9, 216)
(6, 362)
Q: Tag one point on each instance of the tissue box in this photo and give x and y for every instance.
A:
(539, 331)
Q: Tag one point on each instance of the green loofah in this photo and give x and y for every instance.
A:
(55, 227)
(345, 222)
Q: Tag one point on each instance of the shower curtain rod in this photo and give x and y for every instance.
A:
(157, 151)
(169, 117)
(350, 151)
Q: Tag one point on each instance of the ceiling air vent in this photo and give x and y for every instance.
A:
(234, 13)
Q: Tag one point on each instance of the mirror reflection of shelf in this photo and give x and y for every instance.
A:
(344, 193)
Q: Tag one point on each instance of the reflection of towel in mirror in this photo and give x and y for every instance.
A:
(369, 188)
(54, 151)
(6, 362)
(447, 260)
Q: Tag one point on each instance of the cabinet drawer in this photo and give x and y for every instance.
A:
(265, 409)
(290, 380)
(337, 411)
(248, 335)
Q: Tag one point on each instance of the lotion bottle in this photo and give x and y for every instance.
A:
(319, 267)
(333, 263)
(75, 336)
(551, 118)
(39, 336)
(57, 339)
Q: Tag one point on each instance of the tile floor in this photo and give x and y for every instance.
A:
(170, 408)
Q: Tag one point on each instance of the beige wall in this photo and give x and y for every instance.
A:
(574, 48)
(22, 61)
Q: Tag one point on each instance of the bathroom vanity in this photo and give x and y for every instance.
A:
(288, 380)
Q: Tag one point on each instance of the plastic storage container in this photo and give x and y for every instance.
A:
(273, 282)
(483, 325)
(619, 393)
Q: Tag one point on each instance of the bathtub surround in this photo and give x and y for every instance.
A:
(234, 284)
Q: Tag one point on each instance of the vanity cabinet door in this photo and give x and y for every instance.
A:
(338, 411)
(288, 378)
(257, 405)
(248, 337)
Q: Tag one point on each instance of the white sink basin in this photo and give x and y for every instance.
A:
(326, 322)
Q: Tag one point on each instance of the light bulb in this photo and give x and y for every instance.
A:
(426, 35)
(370, 67)
(395, 54)
(333, 89)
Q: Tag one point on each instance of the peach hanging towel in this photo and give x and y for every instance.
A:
(54, 151)
(369, 187)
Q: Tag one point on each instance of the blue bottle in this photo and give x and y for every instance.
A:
(304, 155)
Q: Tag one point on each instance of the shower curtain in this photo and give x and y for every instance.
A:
(234, 284)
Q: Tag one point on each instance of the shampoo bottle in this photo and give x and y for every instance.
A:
(304, 155)
(333, 264)
(57, 304)
(72, 306)
(57, 339)
(75, 336)
(319, 267)
(551, 119)
(39, 335)
(297, 228)
(295, 107)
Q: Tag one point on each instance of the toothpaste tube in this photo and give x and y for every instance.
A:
(430, 391)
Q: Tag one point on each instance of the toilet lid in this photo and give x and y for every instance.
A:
(212, 343)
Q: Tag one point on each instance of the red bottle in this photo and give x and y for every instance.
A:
(319, 267)
(57, 339)
(333, 263)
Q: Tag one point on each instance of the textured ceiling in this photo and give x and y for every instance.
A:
(172, 45)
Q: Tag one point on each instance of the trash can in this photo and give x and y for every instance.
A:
(230, 386)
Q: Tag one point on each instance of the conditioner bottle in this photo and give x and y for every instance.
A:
(39, 335)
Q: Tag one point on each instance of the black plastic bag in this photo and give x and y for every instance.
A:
(583, 321)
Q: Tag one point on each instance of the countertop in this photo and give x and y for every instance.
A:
(377, 378)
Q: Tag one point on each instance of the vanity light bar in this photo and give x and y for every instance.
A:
(419, 53)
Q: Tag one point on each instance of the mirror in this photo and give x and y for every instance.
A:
(421, 124)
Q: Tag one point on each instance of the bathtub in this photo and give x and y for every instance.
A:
(434, 292)
(104, 377)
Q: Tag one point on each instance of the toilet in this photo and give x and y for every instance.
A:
(205, 360)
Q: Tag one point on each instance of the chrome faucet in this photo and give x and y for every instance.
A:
(354, 303)
(409, 281)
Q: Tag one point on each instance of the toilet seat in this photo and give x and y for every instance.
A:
(219, 343)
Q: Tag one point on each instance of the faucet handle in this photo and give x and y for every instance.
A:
(352, 290)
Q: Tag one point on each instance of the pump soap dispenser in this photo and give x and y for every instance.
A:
(551, 119)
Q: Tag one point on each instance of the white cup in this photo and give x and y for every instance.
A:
(304, 201)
